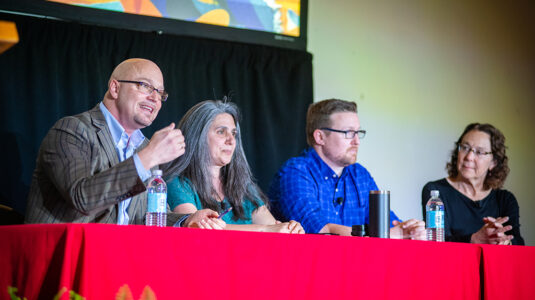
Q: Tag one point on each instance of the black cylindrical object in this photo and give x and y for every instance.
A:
(379, 214)
(359, 230)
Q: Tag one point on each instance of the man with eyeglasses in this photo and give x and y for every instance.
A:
(91, 167)
(324, 188)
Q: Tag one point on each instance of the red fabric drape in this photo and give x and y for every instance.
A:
(95, 260)
(508, 272)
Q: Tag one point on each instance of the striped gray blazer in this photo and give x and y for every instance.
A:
(78, 177)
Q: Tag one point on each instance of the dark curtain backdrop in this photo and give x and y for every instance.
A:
(60, 68)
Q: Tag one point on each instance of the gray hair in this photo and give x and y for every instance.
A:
(236, 177)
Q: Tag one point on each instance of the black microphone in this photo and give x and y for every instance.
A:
(339, 200)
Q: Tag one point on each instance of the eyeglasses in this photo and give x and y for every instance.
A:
(349, 134)
(148, 89)
(465, 149)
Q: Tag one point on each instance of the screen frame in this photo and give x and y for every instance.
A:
(106, 18)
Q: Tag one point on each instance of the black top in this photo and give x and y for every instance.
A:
(463, 216)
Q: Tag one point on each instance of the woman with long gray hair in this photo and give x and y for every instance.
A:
(216, 174)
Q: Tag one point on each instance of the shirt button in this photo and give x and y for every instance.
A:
(334, 175)
(336, 213)
(336, 190)
(326, 177)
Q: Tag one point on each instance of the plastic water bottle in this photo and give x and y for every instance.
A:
(434, 218)
(156, 200)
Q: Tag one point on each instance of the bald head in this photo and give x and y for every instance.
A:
(132, 105)
(133, 67)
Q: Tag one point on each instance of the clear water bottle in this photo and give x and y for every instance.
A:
(434, 218)
(156, 200)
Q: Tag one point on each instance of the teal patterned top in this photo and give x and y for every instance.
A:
(180, 192)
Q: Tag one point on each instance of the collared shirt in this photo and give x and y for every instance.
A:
(307, 190)
(125, 146)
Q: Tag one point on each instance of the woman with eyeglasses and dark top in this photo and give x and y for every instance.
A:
(477, 209)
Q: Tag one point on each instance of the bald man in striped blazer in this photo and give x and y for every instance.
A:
(91, 167)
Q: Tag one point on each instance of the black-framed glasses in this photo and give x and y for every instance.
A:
(148, 89)
(465, 149)
(348, 134)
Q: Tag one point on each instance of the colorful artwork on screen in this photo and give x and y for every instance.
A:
(276, 16)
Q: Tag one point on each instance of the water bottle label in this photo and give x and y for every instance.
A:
(435, 219)
(157, 202)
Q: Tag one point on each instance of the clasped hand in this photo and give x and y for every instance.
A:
(286, 227)
(493, 232)
(411, 229)
(205, 219)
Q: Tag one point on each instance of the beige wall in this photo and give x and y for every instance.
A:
(420, 71)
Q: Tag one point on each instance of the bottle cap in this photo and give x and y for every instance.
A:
(435, 193)
(156, 172)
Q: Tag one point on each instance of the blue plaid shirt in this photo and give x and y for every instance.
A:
(307, 190)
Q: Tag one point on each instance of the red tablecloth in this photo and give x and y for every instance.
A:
(508, 272)
(95, 261)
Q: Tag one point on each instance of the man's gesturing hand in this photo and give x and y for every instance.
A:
(165, 145)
